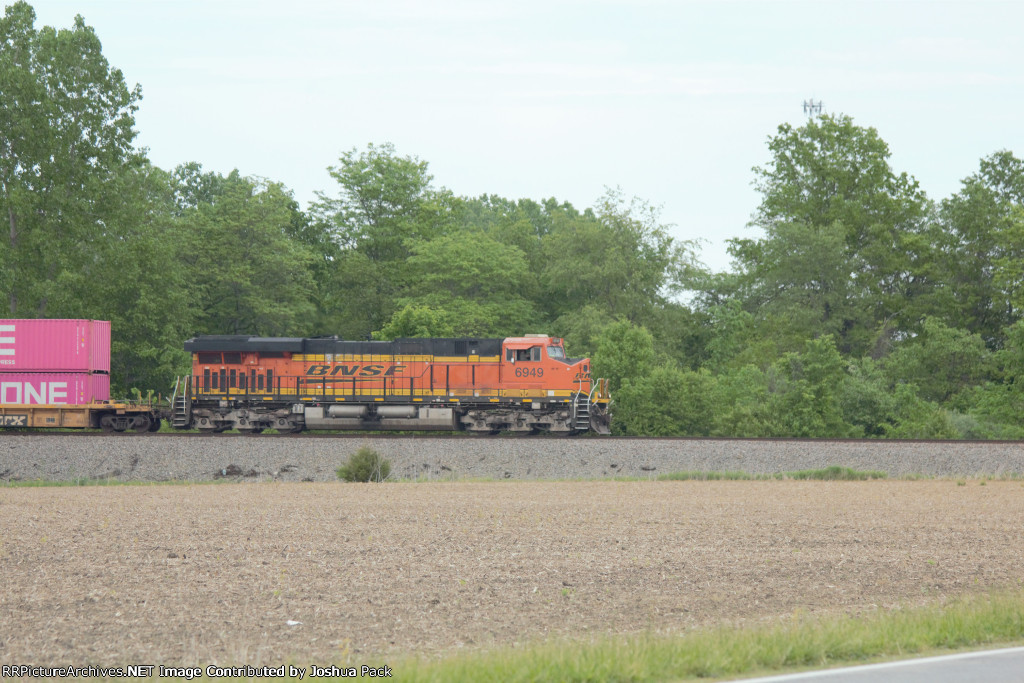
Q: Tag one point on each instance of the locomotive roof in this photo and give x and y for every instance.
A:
(447, 346)
(243, 342)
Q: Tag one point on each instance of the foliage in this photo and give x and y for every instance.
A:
(837, 473)
(621, 260)
(417, 321)
(623, 351)
(365, 465)
(860, 308)
(845, 237)
(667, 402)
(66, 132)
(941, 361)
(248, 275)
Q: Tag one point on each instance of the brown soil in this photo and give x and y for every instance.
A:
(213, 574)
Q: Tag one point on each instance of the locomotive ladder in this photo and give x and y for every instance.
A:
(181, 407)
(581, 419)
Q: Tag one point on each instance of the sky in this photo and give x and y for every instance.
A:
(672, 102)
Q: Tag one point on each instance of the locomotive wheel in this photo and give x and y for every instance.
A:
(285, 426)
(154, 425)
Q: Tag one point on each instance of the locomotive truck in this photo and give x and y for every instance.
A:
(517, 384)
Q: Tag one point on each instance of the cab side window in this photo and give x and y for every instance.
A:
(530, 354)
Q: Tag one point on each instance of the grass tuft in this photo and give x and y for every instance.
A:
(837, 473)
(833, 473)
(711, 476)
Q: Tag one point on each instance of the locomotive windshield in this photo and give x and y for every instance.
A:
(556, 352)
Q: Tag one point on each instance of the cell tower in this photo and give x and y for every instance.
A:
(811, 107)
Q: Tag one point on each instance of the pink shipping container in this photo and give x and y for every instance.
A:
(42, 345)
(53, 388)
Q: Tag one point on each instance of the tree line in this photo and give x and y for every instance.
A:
(860, 308)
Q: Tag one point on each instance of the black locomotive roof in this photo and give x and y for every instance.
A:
(453, 346)
(243, 342)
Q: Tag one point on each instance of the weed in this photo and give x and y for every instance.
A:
(837, 473)
(709, 476)
(365, 464)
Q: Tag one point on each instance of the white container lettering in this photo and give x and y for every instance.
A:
(27, 393)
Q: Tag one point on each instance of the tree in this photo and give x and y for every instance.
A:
(624, 353)
(381, 200)
(139, 283)
(385, 205)
(806, 401)
(249, 275)
(941, 361)
(668, 402)
(844, 241)
(487, 282)
(66, 131)
(981, 248)
(620, 260)
(417, 321)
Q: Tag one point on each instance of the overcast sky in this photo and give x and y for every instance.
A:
(671, 101)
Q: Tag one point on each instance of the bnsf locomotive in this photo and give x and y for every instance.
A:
(519, 384)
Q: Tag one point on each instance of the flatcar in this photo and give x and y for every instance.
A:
(517, 384)
(56, 374)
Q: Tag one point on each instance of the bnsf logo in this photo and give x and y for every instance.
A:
(353, 370)
(26, 392)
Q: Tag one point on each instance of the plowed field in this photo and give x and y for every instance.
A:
(338, 573)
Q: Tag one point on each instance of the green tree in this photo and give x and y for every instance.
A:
(998, 404)
(487, 282)
(981, 247)
(845, 243)
(798, 395)
(385, 204)
(667, 402)
(417, 321)
(941, 361)
(620, 260)
(806, 402)
(249, 275)
(66, 131)
(624, 353)
(381, 201)
(139, 283)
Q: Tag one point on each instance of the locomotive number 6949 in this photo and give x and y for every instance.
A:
(519, 384)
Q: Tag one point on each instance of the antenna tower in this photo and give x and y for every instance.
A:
(811, 107)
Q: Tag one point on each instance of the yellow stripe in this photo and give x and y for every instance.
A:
(386, 357)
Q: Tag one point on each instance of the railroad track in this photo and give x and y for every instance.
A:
(430, 436)
(73, 456)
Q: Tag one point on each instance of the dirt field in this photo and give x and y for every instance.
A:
(216, 573)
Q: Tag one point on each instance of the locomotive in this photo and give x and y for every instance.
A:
(517, 384)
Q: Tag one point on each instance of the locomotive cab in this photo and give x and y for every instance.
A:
(539, 360)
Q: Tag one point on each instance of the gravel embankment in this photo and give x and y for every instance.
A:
(158, 458)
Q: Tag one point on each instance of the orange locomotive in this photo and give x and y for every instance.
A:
(524, 384)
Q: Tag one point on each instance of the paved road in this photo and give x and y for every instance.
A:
(992, 666)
